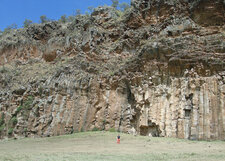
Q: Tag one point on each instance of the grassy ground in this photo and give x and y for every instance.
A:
(93, 146)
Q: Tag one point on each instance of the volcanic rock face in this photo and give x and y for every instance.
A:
(157, 70)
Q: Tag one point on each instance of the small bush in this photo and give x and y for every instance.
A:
(10, 28)
(2, 119)
(63, 19)
(95, 129)
(25, 130)
(104, 122)
(112, 130)
(2, 128)
(27, 23)
(4, 69)
(14, 121)
(28, 102)
(10, 131)
(19, 109)
(115, 3)
(44, 19)
(82, 129)
(1, 122)
(40, 90)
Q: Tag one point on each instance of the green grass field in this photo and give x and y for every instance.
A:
(94, 146)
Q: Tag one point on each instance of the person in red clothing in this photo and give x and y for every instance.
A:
(118, 139)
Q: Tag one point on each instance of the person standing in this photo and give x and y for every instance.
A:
(118, 139)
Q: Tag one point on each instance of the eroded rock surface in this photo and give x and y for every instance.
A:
(158, 70)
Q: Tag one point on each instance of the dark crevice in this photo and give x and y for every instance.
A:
(151, 130)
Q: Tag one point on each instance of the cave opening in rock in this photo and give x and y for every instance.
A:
(130, 95)
(187, 113)
(170, 33)
(151, 130)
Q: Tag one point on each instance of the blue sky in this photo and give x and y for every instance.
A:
(16, 11)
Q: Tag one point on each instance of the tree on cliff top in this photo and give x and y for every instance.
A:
(115, 3)
(124, 6)
(27, 23)
(63, 19)
(10, 28)
(44, 19)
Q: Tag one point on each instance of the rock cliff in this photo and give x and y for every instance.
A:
(158, 69)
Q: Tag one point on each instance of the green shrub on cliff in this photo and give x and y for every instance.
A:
(25, 130)
(19, 109)
(2, 119)
(13, 121)
(63, 19)
(82, 130)
(27, 23)
(115, 3)
(95, 129)
(3, 69)
(2, 128)
(1, 122)
(27, 105)
(28, 102)
(10, 131)
(10, 28)
(44, 19)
